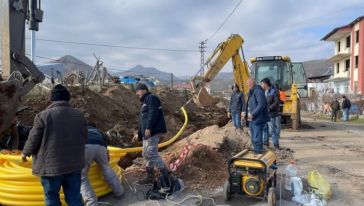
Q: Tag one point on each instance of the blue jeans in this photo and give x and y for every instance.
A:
(266, 134)
(346, 114)
(273, 125)
(71, 184)
(256, 132)
(273, 129)
(236, 117)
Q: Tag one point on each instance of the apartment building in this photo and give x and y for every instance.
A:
(348, 60)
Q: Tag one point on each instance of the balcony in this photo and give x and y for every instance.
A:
(339, 56)
(338, 77)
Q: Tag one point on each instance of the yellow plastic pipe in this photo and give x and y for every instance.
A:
(161, 145)
(19, 187)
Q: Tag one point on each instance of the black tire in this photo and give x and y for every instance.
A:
(226, 191)
(271, 197)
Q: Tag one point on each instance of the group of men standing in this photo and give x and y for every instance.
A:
(64, 145)
(335, 108)
(261, 112)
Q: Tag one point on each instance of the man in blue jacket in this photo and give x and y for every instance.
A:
(256, 114)
(151, 126)
(236, 106)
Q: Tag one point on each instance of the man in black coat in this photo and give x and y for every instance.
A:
(346, 105)
(273, 101)
(151, 126)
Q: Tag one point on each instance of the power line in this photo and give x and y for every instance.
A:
(115, 46)
(226, 19)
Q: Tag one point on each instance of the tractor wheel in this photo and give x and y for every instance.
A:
(226, 191)
(271, 197)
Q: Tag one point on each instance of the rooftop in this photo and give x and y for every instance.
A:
(341, 31)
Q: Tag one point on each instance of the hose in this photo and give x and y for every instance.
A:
(19, 187)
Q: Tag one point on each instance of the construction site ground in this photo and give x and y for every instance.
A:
(336, 150)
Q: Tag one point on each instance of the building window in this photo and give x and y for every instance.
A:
(356, 61)
(337, 67)
(357, 36)
(338, 46)
(347, 65)
(348, 41)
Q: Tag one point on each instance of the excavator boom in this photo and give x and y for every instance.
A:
(225, 51)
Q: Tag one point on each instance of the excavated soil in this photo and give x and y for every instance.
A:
(117, 108)
(205, 166)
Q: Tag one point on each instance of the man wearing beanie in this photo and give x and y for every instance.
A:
(151, 126)
(57, 145)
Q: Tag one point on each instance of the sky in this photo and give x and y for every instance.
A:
(269, 27)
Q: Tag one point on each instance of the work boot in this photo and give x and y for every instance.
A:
(276, 147)
(167, 178)
(150, 177)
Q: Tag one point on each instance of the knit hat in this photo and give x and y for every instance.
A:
(141, 86)
(60, 93)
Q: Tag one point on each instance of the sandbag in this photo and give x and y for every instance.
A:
(319, 184)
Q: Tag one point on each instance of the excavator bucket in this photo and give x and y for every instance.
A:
(203, 99)
(9, 104)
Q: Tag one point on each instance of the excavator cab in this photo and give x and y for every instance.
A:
(290, 77)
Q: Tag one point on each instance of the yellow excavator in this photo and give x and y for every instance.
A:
(225, 51)
(279, 69)
(19, 73)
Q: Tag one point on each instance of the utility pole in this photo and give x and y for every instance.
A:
(202, 48)
(32, 46)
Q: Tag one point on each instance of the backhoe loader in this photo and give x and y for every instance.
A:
(279, 69)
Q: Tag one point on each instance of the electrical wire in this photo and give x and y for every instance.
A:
(115, 46)
(226, 19)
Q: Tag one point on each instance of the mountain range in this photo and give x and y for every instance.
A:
(68, 63)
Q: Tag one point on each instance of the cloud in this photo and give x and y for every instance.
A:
(279, 27)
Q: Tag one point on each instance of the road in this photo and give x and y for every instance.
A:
(336, 150)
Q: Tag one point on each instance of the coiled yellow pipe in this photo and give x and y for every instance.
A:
(19, 187)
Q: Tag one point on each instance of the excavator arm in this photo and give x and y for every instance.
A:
(225, 51)
(18, 71)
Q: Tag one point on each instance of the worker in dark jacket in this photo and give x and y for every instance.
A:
(273, 101)
(57, 144)
(335, 107)
(151, 126)
(236, 106)
(96, 151)
(257, 114)
(346, 105)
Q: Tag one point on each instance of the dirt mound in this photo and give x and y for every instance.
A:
(212, 147)
(204, 168)
(117, 108)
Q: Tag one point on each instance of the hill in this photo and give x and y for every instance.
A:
(147, 71)
(65, 65)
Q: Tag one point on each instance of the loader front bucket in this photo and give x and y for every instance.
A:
(203, 99)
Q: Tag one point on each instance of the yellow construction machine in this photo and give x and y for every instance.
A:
(279, 69)
(20, 74)
(291, 79)
(225, 51)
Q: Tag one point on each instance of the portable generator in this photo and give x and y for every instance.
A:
(252, 175)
